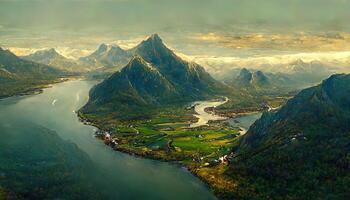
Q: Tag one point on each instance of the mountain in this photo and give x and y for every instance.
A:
(300, 66)
(154, 77)
(189, 78)
(245, 77)
(17, 66)
(307, 74)
(300, 151)
(52, 58)
(111, 57)
(44, 56)
(20, 76)
(252, 79)
(137, 84)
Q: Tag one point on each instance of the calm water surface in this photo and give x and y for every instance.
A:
(125, 177)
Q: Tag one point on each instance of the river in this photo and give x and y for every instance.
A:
(120, 176)
(243, 122)
(203, 116)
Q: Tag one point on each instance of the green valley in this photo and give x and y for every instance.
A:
(147, 108)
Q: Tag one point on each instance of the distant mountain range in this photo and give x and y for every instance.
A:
(108, 59)
(18, 75)
(306, 74)
(111, 57)
(253, 79)
(258, 82)
(302, 150)
(52, 58)
(300, 75)
(154, 77)
(21, 68)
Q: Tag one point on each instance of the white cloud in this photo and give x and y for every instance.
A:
(20, 51)
(272, 63)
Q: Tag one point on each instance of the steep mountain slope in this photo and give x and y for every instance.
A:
(301, 151)
(20, 76)
(52, 58)
(190, 78)
(138, 84)
(154, 77)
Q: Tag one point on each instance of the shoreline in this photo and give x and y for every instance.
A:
(210, 172)
(137, 154)
(132, 152)
(39, 89)
(191, 168)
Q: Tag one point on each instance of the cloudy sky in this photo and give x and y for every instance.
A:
(212, 32)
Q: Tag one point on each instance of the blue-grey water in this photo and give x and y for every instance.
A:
(42, 142)
(245, 121)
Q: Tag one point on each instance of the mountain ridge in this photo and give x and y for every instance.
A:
(111, 57)
(52, 58)
(300, 150)
(155, 76)
(19, 76)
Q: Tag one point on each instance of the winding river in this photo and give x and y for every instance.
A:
(243, 122)
(203, 116)
(127, 177)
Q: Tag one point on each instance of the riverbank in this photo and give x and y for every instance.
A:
(36, 88)
(202, 150)
(203, 115)
(119, 175)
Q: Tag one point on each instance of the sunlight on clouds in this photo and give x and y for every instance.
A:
(19, 51)
(73, 53)
(300, 41)
(64, 51)
(128, 43)
(266, 59)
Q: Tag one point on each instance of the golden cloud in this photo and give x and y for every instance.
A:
(291, 42)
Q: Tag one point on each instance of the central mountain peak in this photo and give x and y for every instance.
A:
(155, 38)
(154, 51)
(153, 76)
(153, 43)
